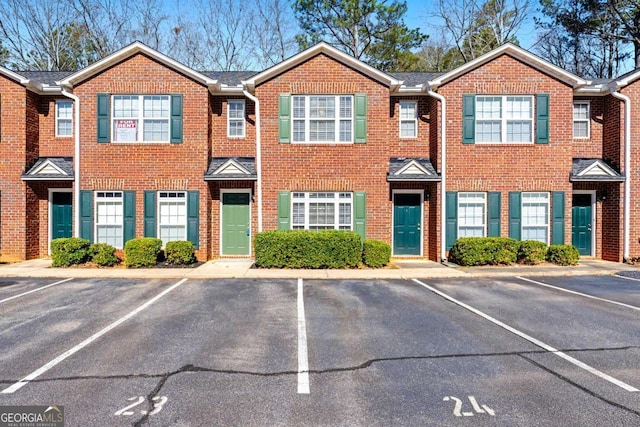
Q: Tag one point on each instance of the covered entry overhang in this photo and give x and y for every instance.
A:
(594, 170)
(412, 169)
(231, 169)
(50, 169)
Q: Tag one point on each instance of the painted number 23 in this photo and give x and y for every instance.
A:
(158, 402)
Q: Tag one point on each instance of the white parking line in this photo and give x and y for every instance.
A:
(535, 341)
(35, 374)
(633, 307)
(34, 290)
(303, 356)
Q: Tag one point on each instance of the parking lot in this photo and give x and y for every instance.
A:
(459, 351)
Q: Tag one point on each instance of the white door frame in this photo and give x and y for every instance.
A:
(49, 216)
(235, 190)
(593, 218)
(393, 210)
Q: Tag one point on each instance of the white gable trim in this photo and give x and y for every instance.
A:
(412, 168)
(128, 52)
(14, 76)
(230, 167)
(598, 168)
(331, 52)
(48, 168)
(517, 53)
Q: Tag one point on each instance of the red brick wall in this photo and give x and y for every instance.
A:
(139, 166)
(337, 167)
(511, 167)
(591, 147)
(50, 145)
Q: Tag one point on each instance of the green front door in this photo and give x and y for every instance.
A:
(581, 223)
(61, 218)
(407, 223)
(236, 230)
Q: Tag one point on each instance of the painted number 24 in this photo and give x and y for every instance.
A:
(158, 402)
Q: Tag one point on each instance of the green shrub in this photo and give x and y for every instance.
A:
(307, 249)
(69, 251)
(532, 252)
(375, 253)
(103, 254)
(563, 254)
(180, 252)
(471, 251)
(142, 252)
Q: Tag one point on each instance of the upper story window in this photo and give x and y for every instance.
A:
(322, 118)
(235, 118)
(140, 118)
(504, 119)
(408, 119)
(321, 211)
(64, 121)
(581, 116)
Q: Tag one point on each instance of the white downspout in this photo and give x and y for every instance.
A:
(76, 160)
(258, 157)
(443, 175)
(627, 172)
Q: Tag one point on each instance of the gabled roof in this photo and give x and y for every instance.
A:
(627, 79)
(127, 52)
(50, 169)
(517, 53)
(330, 51)
(14, 76)
(411, 169)
(231, 169)
(593, 170)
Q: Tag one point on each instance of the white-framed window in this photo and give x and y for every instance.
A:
(322, 118)
(109, 218)
(172, 216)
(472, 214)
(408, 119)
(322, 211)
(235, 118)
(64, 118)
(581, 116)
(504, 119)
(535, 217)
(140, 118)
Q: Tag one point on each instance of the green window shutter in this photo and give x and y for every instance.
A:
(284, 210)
(452, 218)
(86, 215)
(557, 230)
(104, 125)
(515, 207)
(542, 119)
(284, 121)
(150, 228)
(468, 119)
(360, 214)
(129, 210)
(360, 118)
(176, 119)
(193, 218)
(493, 214)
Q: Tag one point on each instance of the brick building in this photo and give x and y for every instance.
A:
(138, 144)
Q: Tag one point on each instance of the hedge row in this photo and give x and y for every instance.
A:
(142, 252)
(474, 251)
(318, 249)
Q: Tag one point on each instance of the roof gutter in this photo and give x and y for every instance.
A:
(443, 173)
(76, 159)
(256, 102)
(627, 171)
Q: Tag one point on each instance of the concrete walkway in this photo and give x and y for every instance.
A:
(231, 268)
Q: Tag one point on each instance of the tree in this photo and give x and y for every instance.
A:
(372, 31)
(273, 37)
